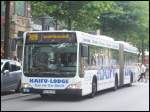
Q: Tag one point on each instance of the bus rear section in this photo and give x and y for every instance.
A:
(128, 58)
(50, 63)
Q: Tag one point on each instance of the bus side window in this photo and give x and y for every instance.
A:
(84, 55)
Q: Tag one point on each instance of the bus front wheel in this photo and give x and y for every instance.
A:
(94, 88)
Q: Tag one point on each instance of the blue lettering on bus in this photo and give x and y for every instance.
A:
(59, 81)
(127, 71)
(38, 80)
(53, 81)
(106, 73)
(31, 80)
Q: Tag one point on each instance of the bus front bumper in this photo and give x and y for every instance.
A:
(76, 92)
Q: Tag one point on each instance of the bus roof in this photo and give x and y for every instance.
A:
(99, 40)
(128, 47)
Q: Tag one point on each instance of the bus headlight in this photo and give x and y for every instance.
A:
(26, 85)
(75, 86)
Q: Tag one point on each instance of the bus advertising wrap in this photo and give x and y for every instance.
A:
(49, 83)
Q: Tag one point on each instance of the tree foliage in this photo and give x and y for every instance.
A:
(122, 20)
(77, 15)
(131, 25)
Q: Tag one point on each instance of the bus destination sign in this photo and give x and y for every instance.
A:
(51, 37)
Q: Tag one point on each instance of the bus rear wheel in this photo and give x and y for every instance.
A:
(116, 83)
(131, 79)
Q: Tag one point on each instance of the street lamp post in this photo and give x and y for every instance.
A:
(46, 21)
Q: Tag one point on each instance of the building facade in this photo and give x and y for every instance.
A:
(2, 27)
(19, 23)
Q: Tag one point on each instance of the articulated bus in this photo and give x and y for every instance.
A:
(75, 63)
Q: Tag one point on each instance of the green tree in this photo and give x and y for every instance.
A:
(64, 11)
(76, 15)
(87, 19)
(122, 20)
(130, 25)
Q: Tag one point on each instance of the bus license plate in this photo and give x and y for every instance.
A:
(49, 91)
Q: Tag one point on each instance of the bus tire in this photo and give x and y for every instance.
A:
(116, 83)
(94, 87)
(131, 79)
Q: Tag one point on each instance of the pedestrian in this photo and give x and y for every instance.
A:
(143, 71)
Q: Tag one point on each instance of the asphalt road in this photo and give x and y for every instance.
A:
(135, 98)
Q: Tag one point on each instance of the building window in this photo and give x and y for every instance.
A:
(20, 8)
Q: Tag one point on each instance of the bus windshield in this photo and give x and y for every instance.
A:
(50, 60)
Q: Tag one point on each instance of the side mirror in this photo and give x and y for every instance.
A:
(84, 51)
(6, 72)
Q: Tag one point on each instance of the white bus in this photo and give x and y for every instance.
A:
(72, 63)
